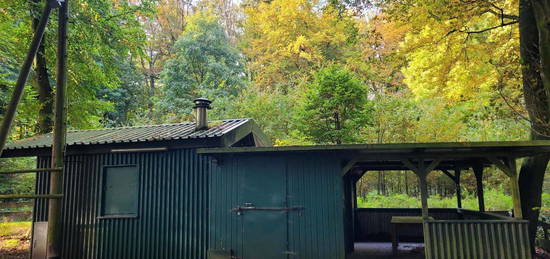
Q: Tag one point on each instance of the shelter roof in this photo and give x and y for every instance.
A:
(452, 155)
(229, 131)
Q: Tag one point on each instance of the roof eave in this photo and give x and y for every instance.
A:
(521, 148)
(210, 142)
(247, 128)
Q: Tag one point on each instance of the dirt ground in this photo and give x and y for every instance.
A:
(14, 240)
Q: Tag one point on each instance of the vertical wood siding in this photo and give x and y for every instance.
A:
(172, 212)
(313, 182)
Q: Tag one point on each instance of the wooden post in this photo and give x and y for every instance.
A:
(456, 180)
(508, 166)
(59, 135)
(354, 186)
(422, 171)
(424, 194)
(478, 172)
(516, 196)
(458, 189)
(9, 114)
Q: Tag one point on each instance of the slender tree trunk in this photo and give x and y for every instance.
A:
(406, 184)
(379, 185)
(338, 127)
(42, 81)
(534, 26)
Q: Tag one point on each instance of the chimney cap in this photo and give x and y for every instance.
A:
(202, 103)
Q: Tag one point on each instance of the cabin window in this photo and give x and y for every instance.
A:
(120, 189)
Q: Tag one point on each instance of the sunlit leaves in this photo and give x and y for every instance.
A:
(205, 65)
(334, 107)
(287, 40)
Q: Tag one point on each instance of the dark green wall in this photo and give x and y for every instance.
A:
(313, 181)
(172, 213)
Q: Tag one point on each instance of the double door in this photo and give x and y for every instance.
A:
(264, 211)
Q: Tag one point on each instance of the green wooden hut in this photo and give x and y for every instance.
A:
(133, 192)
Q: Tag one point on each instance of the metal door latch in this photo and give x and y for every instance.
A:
(248, 206)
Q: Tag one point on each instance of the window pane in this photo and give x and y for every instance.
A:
(120, 190)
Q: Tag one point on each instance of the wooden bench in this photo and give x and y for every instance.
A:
(402, 220)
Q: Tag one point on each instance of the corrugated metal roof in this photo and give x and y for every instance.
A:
(437, 147)
(177, 131)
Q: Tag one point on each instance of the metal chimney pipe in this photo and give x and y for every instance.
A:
(201, 105)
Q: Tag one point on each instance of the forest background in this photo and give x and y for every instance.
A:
(308, 72)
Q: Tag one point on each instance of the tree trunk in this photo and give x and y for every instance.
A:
(42, 82)
(406, 184)
(338, 127)
(535, 56)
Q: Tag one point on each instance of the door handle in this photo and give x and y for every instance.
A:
(240, 209)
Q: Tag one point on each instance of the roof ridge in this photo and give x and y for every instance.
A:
(150, 126)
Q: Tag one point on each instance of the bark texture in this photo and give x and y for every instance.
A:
(534, 25)
(42, 79)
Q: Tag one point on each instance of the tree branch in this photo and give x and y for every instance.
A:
(503, 24)
(502, 15)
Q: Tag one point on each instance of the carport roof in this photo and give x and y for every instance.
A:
(513, 148)
(452, 155)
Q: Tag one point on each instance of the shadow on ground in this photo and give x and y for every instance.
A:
(375, 250)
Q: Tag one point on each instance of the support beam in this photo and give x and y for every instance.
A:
(348, 166)
(9, 114)
(478, 172)
(354, 190)
(508, 166)
(424, 194)
(422, 171)
(456, 180)
(30, 196)
(59, 136)
(36, 170)
(348, 212)
(447, 173)
(458, 189)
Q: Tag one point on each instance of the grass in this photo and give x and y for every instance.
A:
(494, 200)
(11, 243)
(15, 228)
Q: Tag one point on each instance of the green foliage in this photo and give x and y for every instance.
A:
(286, 41)
(333, 107)
(14, 228)
(17, 183)
(100, 33)
(205, 65)
(494, 200)
(128, 99)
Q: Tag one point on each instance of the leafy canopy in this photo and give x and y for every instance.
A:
(334, 108)
(205, 65)
(285, 40)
